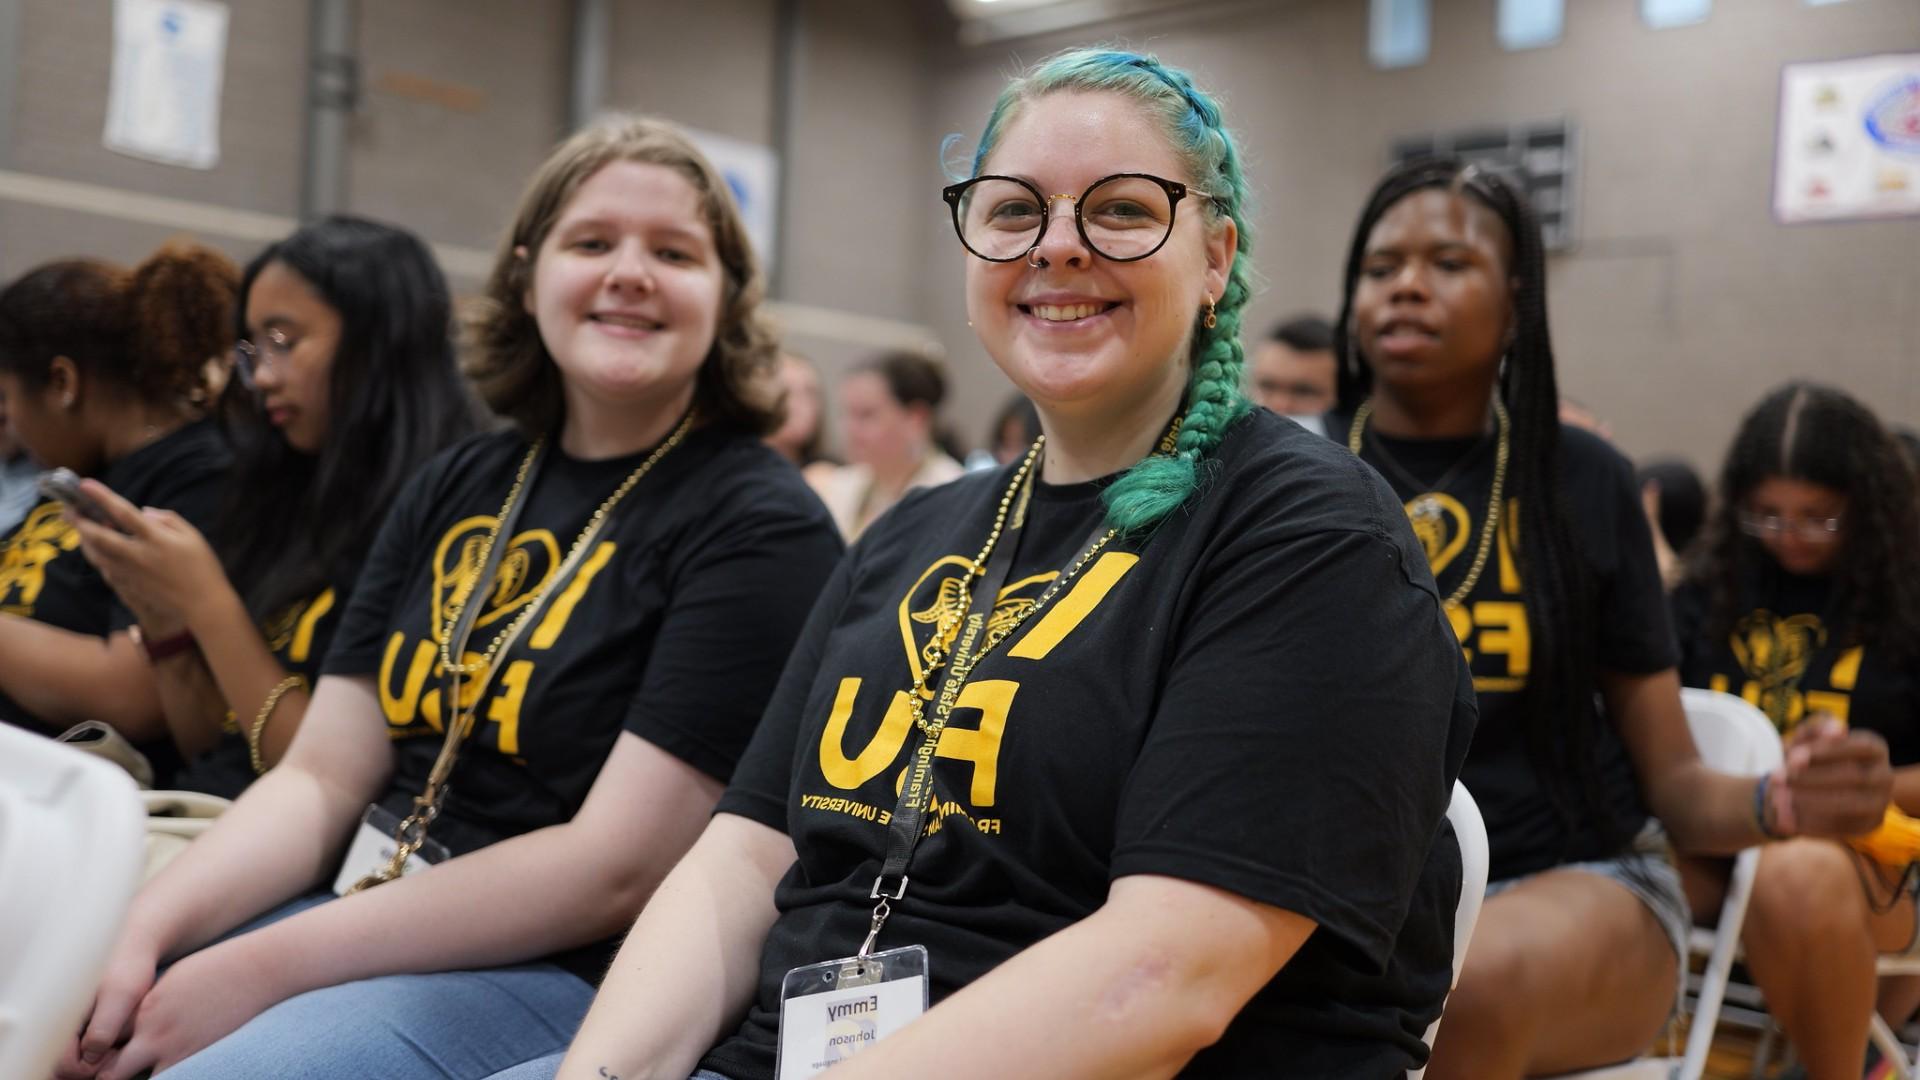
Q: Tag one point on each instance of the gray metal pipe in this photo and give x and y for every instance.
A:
(333, 91)
(587, 69)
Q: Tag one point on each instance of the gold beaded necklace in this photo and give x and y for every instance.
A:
(412, 832)
(574, 553)
(1490, 527)
(965, 658)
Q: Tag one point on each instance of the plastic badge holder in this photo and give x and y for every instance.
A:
(832, 1011)
(373, 847)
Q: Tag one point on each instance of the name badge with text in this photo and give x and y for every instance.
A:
(830, 1012)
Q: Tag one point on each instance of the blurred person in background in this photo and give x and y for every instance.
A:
(801, 436)
(1805, 601)
(102, 370)
(345, 384)
(1014, 428)
(19, 476)
(1293, 372)
(889, 430)
(1675, 502)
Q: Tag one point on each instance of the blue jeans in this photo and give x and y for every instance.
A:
(454, 1025)
(547, 1066)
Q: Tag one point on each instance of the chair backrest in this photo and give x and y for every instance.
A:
(71, 841)
(1470, 832)
(1733, 736)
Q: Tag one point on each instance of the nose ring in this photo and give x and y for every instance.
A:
(1033, 257)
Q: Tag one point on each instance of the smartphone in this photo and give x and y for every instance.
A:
(64, 485)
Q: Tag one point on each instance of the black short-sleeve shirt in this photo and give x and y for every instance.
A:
(1263, 696)
(1632, 632)
(1786, 656)
(298, 636)
(45, 577)
(674, 627)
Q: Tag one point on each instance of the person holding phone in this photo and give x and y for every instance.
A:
(101, 368)
(346, 385)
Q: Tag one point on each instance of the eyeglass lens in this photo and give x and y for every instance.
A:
(1124, 217)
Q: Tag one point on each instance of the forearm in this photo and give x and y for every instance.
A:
(284, 836)
(1906, 789)
(1706, 812)
(246, 671)
(63, 678)
(690, 966)
(1119, 995)
(510, 902)
(190, 702)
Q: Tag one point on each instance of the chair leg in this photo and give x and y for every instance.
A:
(1883, 1039)
(1763, 1053)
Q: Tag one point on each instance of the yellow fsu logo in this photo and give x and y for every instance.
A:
(44, 536)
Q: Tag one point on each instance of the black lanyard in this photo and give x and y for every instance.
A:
(916, 793)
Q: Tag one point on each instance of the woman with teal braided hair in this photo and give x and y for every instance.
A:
(1129, 758)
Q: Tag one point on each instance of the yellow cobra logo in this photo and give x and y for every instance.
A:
(457, 563)
(1441, 525)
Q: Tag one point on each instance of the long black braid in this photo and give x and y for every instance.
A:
(1820, 435)
(1558, 698)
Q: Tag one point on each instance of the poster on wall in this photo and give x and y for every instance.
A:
(752, 172)
(1849, 140)
(163, 100)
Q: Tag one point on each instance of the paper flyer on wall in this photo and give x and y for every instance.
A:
(163, 102)
(1849, 140)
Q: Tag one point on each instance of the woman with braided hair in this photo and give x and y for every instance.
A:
(1537, 541)
(1145, 739)
(1805, 601)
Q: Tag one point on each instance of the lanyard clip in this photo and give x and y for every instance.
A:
(878, 893)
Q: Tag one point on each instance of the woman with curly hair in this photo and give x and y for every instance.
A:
(102, 371)
(1806, 602)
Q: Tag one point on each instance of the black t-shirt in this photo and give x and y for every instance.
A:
(45, 577)
(1262, 697)
(1631, 629)
(1785, 656)
(298, 637)
(674, 627)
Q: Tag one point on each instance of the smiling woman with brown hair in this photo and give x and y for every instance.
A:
(576, 620)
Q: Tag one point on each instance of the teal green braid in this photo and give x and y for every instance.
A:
(1157, 486)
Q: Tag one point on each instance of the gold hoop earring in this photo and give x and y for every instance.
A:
(1210, 321)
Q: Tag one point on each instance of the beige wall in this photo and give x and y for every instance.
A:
(1681, 303)
(1683, 300)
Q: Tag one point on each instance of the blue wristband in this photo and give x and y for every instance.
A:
(1760, 808)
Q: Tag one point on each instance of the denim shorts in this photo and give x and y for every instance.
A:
(1646, 870)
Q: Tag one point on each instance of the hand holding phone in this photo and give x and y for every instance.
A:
(64, 485)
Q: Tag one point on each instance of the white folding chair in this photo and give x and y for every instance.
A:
(1733, 737)
(1906, 1060)
(1470, 831)
(71, 853)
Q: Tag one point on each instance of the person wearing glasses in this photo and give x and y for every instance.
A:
(1146, 738)
(1537, 538)
(345, 384)
(1805, 601)
(101, 369)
